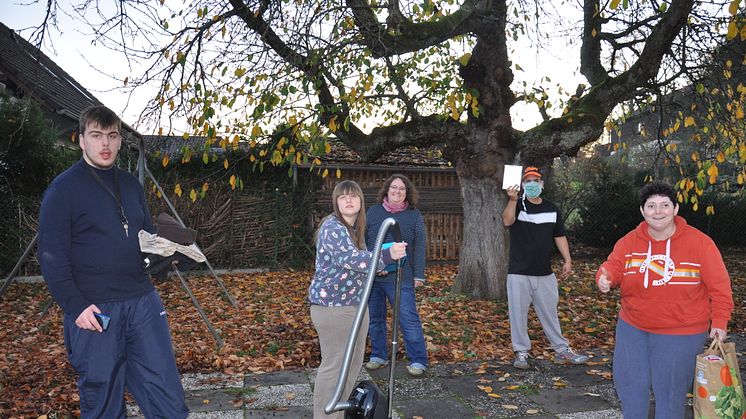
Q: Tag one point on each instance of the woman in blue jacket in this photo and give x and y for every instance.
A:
(398, 199)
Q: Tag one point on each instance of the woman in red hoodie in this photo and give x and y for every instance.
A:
(674, 288)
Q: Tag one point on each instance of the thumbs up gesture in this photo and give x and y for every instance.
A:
(604, 284)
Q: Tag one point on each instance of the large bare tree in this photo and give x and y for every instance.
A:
(382, 74)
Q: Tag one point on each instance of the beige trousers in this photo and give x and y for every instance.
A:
(333, 326)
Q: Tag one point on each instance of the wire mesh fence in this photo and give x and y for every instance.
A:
(273, 227)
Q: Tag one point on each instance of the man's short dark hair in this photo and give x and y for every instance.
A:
(657, 188)
(101, 115)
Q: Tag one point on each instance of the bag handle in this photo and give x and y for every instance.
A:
(719, 343)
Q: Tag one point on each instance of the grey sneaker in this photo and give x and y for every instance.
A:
(373, 365)
(415, 371)
(568, 356)
(521, 360)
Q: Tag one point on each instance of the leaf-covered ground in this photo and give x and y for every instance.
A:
(272, 329)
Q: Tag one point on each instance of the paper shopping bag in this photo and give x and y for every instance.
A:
(717, 383)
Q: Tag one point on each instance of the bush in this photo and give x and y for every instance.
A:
(30, 156)
(727, 225)
(598, 199)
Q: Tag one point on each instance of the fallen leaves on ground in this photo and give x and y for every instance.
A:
(271, 330)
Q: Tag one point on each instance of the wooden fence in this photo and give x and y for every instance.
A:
(440, 202)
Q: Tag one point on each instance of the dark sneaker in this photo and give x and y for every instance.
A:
(570, 357)
(521, 360)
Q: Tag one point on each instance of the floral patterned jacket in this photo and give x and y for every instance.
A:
(341, 268)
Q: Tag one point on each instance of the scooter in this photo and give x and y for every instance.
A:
(367, 401)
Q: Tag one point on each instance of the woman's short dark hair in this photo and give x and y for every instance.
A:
(657, 188)
(412, 194)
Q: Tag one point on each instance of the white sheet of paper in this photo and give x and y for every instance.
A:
(512, 176)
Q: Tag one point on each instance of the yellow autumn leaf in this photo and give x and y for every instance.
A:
(225, 163)
(232, 182)
(327, 150)
(512, 387)
(733, 7)
(594, 32)
(325, 173)
(721, 157)
(713, 170)
(177, 190)
(739, 112)
(494, 395)
(193, 195)
(688, 121)
(464, 60)
(164, 161)
(710, 210)
(339, 173)
(333, 124)
(614, 4)
(740, 179)
(732, 30)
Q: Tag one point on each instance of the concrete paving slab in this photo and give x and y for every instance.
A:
(276, 378)
(464, 386)
(507, 405)
(214, 399)
(291, 412)
(428, 408)
(568, 400)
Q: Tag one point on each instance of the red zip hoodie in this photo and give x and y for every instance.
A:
(674, 286)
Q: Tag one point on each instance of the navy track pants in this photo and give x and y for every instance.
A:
(135, 353)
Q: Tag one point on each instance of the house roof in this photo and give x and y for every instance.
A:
(27, 72)
(176, 145)
(341, 155)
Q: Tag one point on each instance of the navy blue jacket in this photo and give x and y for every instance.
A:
(84, 254)
(412, 227)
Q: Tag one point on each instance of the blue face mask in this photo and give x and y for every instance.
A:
(532, 189)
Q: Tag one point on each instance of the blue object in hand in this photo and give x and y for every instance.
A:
(103, 320)
(391, 267)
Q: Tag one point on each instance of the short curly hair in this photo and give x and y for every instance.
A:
(413, 195)
(657, 188)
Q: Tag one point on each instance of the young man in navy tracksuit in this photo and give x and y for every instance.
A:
(90, 258)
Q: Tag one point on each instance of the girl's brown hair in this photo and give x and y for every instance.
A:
(412, 194)
(357, 232)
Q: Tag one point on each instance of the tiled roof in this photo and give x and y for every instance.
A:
(341, 154)
(175, 145)
(27, 72)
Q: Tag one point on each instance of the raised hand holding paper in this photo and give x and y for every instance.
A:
(512, 176)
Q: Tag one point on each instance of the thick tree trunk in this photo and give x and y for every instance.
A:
(483, 264)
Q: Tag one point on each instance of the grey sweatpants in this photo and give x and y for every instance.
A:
(333, 326)
(523, 290)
